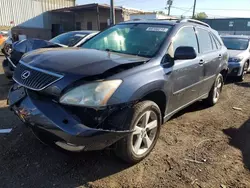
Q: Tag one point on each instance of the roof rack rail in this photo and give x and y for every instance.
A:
(194, 21)
(170, 19)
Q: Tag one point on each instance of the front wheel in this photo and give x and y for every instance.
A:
(215, 91)
(146, 123)
(244, 72)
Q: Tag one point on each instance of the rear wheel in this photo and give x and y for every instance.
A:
(146, 123)
(244, 72)
(215, 91)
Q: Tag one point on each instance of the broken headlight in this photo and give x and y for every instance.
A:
(93, 94)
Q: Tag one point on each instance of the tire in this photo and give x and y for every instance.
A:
(215, 91)
(127, 148)
(241, 78)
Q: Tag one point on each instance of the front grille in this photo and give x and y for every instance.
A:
(37, 79)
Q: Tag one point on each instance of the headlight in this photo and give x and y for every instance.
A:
(93, 94)
(235, 59)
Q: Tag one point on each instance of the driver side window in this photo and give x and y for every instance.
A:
(185, 37)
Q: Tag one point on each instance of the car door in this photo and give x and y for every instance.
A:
(210, 55)
(186, 74)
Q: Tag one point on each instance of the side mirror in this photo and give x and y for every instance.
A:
(167, 61)
(185, 52)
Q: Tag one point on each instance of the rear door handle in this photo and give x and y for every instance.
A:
(201, 62)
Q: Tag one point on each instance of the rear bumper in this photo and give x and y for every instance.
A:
(51, 118)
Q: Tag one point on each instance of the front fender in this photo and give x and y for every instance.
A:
(136, 86)
(147, 89)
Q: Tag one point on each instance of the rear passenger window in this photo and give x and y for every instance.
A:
(215, 47)
(204, 40)
(216, 41)
(185, 37)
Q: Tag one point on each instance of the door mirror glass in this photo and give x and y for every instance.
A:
(185, 52)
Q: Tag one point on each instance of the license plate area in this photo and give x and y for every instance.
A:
(16, 95)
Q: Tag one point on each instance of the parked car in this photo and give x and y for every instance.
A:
(120, 87)
(70, 39)
(3, 38)
(239, 55)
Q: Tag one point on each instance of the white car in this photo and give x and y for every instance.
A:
(239, 55)
(73, 38)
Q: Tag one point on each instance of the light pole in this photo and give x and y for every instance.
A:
(112, 12)
(194, 9)
(169, 3)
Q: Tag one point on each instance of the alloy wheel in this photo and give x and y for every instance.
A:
(217, 89)
(245, 68)
(145, 132)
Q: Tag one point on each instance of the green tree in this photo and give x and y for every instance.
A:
(200, 15)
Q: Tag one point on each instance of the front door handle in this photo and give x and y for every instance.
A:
(201, 62)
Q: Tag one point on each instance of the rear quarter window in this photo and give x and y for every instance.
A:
(205, 41)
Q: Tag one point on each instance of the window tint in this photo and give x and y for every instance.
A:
(215, 47)
(185, 37)
(204, 41)
(218, 43)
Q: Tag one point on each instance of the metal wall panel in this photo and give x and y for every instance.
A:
(230, 25)
(30, 11)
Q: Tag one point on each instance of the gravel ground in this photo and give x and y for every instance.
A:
(199, 147)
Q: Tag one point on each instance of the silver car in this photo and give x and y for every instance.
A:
(239, 55)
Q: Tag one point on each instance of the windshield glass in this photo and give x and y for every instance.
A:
(135, 39)
(69, 39)
(236, 43)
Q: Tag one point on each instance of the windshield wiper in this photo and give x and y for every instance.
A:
(110, 50)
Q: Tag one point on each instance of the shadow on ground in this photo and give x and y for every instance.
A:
(25, 162)
(5, 85)
(240, 139)
(197, 106)
(243, 84)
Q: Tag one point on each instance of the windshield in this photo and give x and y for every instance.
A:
(135, 39)
(236, 43)
(69, 39)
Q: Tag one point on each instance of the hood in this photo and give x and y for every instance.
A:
(236, 53)
(77, 61)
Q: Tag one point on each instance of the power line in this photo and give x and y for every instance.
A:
(187, 11)
(185, 8)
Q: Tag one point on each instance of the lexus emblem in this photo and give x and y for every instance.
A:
(25, 74)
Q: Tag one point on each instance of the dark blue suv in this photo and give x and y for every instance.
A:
(120, 86)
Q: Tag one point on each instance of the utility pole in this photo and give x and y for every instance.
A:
(169, 3)
(194, 9)
(112, 13)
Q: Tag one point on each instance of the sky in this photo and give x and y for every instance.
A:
(213, 8)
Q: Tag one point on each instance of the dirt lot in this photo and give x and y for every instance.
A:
(199, 147)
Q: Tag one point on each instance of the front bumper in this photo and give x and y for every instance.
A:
(8, 70)
(51, 118)
(234, 69)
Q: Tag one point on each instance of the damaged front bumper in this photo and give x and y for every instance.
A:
(51, 118)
